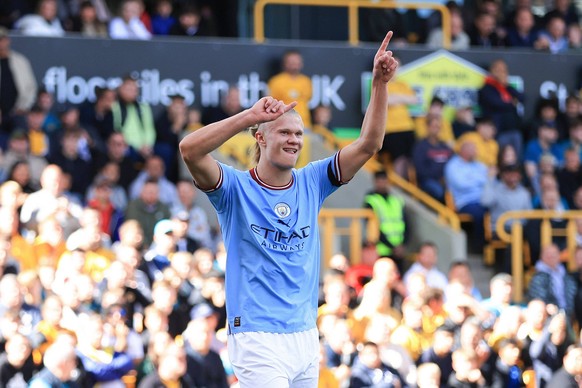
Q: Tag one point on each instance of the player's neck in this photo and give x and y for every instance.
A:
(273, 176)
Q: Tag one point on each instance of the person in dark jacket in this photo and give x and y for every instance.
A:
(172, 368)
(570, 375)
(499, 101)
(60, 361)
(370, 371)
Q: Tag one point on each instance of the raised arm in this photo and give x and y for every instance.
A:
(356, 154)
(197, 146)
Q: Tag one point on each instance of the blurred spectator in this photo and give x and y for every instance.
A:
(551, 283)
(435, 108)
(12, 300)
(154, 170)
(157, 258)
(499, 101)
(191, 23)
(73, 163)
(38, 139)
(409, 333)
(171, 369)
(507, 372)
(578, 277)
(321, 125)
(204, 364)
(102, 366)
(118, 153)
(11, 195)
(572, 113)
(60, 363)
(49, 244)
(110, 216)
(385, 271)
(507, 156)
(391, 354)
(465, 178)
(570, 175)
(183, 242)
(18, 151)
(551, 201)
(47, 330)
(568, 375)
(20, 249)
(46, 102)
(428, 375)
(87, 22)
(369, 370)
(20, 173)
(147, 209)
(430, 155)
(504, 194)
(169, 126)
(18, 87)
(128, 25)
(292, 85)
(426, 263)
(554, 38)
(566, 10)
(484, 139)
(440, 353)
(459, 38)
(198, 227)
(500, 289)
(48, 200)
(375, 303)
(548, 113)
(114, 319)
(44, 22)
(460, 272)
(548, 350)
(483, 33)
(132, 118)
(400, 128)
(390, 212)
(523, 32)
(109, 175)
(464, 121)
(163, 19)
(97, 116)
(229, 106)
(16, 364)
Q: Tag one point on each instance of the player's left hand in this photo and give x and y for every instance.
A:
(384, 63)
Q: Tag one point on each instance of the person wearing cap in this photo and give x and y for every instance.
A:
(157, 258)
(18, 85)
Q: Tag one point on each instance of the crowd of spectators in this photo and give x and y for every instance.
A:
(478, 23)
(112, 275)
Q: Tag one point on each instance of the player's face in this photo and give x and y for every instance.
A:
(284, 141)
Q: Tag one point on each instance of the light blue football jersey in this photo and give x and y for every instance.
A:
(271, 236)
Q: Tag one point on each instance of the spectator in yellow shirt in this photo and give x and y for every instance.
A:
(484, 140)
(400, 128)
(291, 85)
(436, 107)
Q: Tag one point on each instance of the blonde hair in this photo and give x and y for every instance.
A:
(256, 151)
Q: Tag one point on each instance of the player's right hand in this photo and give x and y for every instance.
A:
(269, 109)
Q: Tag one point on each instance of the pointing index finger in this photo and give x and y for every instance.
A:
(385, 42)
